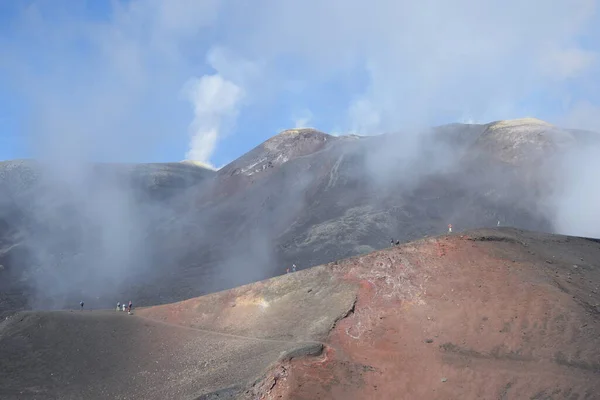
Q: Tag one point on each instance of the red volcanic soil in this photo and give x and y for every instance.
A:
(489, 315)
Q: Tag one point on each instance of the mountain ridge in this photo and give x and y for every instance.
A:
(165, 232)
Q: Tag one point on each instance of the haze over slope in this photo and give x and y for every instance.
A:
(492, 313)
(163, 232)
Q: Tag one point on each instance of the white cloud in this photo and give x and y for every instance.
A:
(567, 62)
(359, 67)
(217, 99)
(364, 117)
(576, 194)
(302, 119)
(106, 88)
(425, 60)
(582, 115)
(234, 67)
(215, 102)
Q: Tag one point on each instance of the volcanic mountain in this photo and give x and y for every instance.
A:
(159, 233)
(493, 313)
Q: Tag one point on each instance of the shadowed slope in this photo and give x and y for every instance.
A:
(97, 355)
(199, 348)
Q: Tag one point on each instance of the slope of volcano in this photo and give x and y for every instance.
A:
(498, 313)
(161, 233)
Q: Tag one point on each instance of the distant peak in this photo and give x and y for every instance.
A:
(517, 140)
(510, 123)
(300, 132)
(295, 137)
(281, 148)
(296, 131)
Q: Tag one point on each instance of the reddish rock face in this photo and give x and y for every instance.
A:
(461, 317)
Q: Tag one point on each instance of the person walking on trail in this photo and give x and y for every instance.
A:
(287, 270)
(449, 228)
(293, 267)
(498, 223)
(392, 242)
(129, 307)
(118, 306)
(81, 304)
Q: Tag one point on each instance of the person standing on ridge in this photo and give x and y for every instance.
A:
(118, 306)
(449, 228)
(293, 267)
(129, 307)
(81, 304)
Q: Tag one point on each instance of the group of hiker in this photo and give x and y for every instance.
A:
(287, 271)
(120, 307)
(124, 307)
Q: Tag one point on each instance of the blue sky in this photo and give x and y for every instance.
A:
(210, 79)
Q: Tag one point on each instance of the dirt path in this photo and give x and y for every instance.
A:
(231, 335)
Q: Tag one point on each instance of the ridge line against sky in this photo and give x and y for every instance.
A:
(209, 80)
